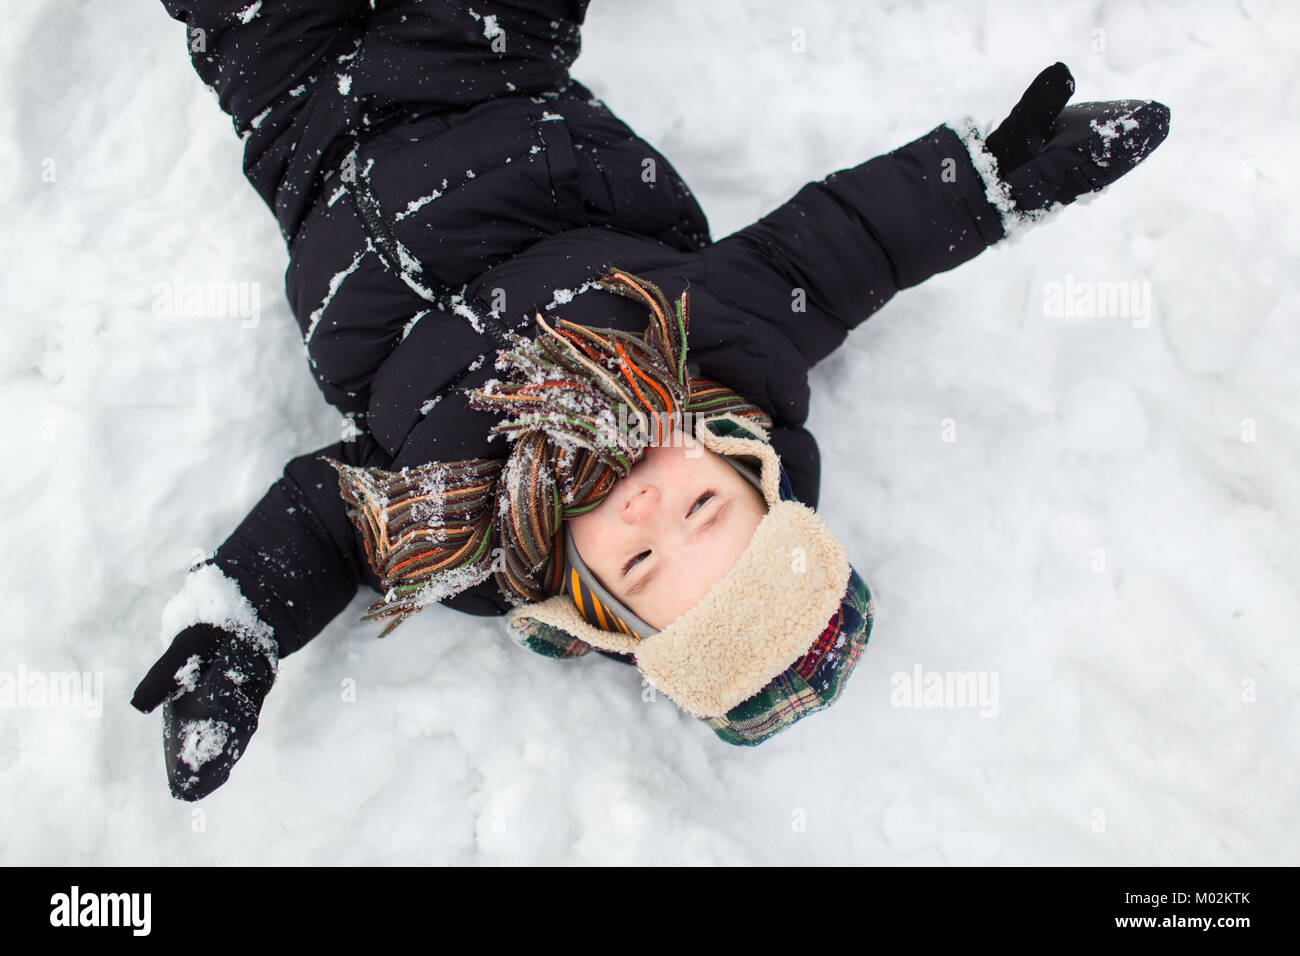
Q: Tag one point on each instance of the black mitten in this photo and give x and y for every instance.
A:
(1048, 152)
(211, 684)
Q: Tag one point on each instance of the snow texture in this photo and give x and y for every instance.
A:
(1112, 531)
(415, 205)
(202, 740)
(1014, 220)
(561, 297)
(996, 191)
(209, 596)
(188, 673)
(336, 283)
(1108, 131)
(491, 28)
(406, 329)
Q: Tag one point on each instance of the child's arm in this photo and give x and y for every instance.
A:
(820, 264)
(840, 248)
(295, 556)
(288, 569)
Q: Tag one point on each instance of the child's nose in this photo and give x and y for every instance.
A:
(642, 506)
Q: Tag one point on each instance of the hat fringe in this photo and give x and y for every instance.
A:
(580, 406)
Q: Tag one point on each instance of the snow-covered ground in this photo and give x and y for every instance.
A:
(1096, 516)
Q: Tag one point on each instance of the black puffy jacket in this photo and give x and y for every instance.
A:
(439, 177)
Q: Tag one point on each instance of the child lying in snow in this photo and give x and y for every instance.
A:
(443, 184)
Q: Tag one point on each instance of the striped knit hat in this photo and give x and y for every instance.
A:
(579, 405)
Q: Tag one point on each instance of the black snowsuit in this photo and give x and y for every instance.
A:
(433, 163)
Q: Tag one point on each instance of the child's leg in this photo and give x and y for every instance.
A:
(251, 54)
(439, 195)
(300, 78)
(509, 150)
(272, 66)
(507, 147)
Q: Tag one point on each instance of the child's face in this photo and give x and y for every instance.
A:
(669, 530)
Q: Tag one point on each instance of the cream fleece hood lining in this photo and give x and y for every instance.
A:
(755, 622)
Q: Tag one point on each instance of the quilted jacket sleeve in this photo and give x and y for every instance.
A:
(841, 247)
(296, 556)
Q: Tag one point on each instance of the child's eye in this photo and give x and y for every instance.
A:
(700, 501)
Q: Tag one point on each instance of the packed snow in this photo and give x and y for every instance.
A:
(203, 740)
(208, 596)
(1092, 516)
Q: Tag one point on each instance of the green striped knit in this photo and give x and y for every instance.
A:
(580, 406)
